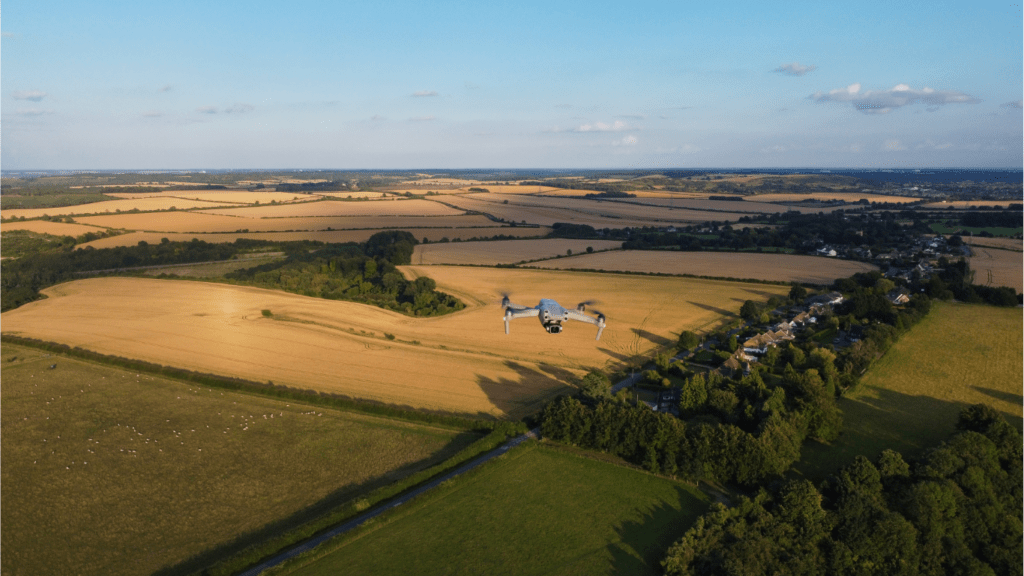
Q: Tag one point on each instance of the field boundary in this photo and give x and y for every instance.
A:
(667, 274)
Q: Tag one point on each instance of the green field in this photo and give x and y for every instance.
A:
(110, 472)
(960, 354)
(993, 230)
(536, 510)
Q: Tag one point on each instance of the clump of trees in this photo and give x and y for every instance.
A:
(956, 511)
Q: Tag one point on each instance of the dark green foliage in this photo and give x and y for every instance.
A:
(687, 341)
(595, 385)
(565, 230)
(957, 512)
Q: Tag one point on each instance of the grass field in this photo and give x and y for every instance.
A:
(960, 354)
(504, 251)
(461, 362)
(537, 510)
(198, 222)
(431, 234)
(997, 267)
(993, 230)
(774, 267)
(964, 204)
(1015, 244)
(107, 472)
(341, 208)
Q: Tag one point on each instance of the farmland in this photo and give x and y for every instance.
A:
(225, 196)
(431, 234)
(831, 196)
(960, 354)
(422, 208)
(504, 251)
(198, 222)
(53, 228)
(536, 510)
(773, 267)
(997, 267)
(461, 362)
(112, 472)
(114, 206)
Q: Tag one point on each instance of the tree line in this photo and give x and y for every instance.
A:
(957, 510)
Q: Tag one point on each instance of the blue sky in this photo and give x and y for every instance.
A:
(300, 84)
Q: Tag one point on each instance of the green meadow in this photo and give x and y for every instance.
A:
(535, 510)
(106, 471)
(960, 354)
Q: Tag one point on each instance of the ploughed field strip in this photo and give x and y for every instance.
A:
(505, 251)
(117, 473)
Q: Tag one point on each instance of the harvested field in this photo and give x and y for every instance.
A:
(460, 362)
(1004, 243)
(113, 206)
(346, 194)
(965, 204)
(546, 211)
(431, 234)
(200, 222)
(54, 228)
(224, 196)
(750, 206)
(107, 472)
(960, 354)
(503, 251)
(997, 267)
(516, 189)
(844, 196)
(342, 208)
(773, 267)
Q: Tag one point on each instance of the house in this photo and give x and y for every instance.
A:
(829, 298)
(898, 297)
(734, 368)
(826, 251)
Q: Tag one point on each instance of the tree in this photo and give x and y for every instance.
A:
(595, 385)
(797, 293)
(750, 310)
(687, 341)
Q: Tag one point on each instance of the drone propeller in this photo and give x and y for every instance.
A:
(582, 306)
(600, 323)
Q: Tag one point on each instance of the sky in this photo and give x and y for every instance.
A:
(590, 84)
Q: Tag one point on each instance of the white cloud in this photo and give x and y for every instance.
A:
(33, 112)
(795, 69)
(166, 88)
(633, 116)
(33, 95)
(207, 110)
(1018, 104)
(239, 108)
(626, 141)
(152, 114)
(424, 93)
(893, 145)
(377, 118)
(617, 126)
(885, 101)
(777, 148)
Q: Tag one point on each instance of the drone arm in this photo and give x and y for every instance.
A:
(599, 321)
(512, 314)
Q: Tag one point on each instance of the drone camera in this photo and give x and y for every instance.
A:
(554, 328)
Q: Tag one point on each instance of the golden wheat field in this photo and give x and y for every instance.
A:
(962, 204)
(751, 206)
(199, 222)
(228, 196)
(773, 267)
(113, 206)
(516, 189)
(346, 194)
(341, 208)
(431, 234)
(503, 251)
(997, 267)
(54, 228)
(1005, 243)
(460, 362)
(844, 196)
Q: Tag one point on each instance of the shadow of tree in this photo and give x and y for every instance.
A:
(642, 543)
(528, 391)
(909, 424)
(1005, 397)
(652, 337)
(340, 496)
(616, 355)
(714, 309)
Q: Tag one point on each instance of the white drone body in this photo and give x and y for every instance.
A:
(551, 315)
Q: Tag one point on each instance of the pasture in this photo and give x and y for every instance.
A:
(997, 267)
(323, 208)
(748, 265)
(1015, 244)
(536, 510)
(431, 234)
(960, 354)
(504, 251)
(966, 204)
(108, 472)
(461, 362)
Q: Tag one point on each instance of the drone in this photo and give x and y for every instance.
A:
(551, 315)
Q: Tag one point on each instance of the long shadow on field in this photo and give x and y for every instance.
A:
(1000, 395)
(203, 560)
(509, 396)
(714, 309)
(908, 424)
(652, 337)
(642, 544)
(616, 355)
